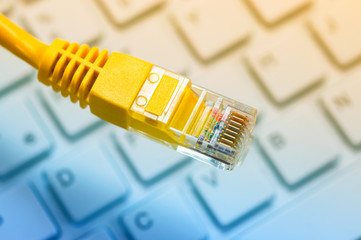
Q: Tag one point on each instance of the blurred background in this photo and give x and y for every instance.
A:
(64, 174)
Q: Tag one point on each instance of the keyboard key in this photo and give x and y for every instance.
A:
(12, 70)
(100, 234)
(273, 12)
(297, 146)
(148, 159)
(22, 141)
(46, 19)
(232, 196)
(86, 183)
(331, 213)
(23, 216)
(210, 26)
(165, 44)
(287, 67)
(165, 215)
(334, 25)
(72, 120)
(124, 11)
(5, 5)
(343, 102)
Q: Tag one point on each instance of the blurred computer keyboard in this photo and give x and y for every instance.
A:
(65, 174)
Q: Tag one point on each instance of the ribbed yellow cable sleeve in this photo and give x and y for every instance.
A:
(71, 69)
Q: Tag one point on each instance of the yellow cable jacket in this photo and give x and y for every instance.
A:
(20, 43)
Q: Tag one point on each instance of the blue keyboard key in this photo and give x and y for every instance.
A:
(12, 70)
(22, 216)
(232, 196)
(71, 120)
(332, 213)
(148, 159)
(22, 141)
(99, 234)
(85, 182)
(165, 217)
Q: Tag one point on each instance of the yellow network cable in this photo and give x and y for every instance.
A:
(141, 97)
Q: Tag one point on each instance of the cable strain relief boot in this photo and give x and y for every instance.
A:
(71, 69)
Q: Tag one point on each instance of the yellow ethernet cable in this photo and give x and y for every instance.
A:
(140, 97)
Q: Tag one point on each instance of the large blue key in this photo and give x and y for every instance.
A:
(151, 161)
(12, 70)
(22, 216)
(332, 213)
(22, 141)
(233, 196)
(98, 234)
(72, 121)
(165, 217)
(86, 183)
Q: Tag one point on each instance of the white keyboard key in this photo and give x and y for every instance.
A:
(12, 70)
(124, 11)
(23, 216)
(343, 102)
(70, 118)
(336, 26)
(297, 147)
(150, 161)
(22, 140)
(231, 196)
(66, 19)
(86, 183)
(272, 12)
(211, 26)
(164, 43)
(287, 67)
(166, 216)
(5, 5)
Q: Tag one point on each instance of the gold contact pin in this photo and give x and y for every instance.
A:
(226, 142)
(234, 129)
(236, 124)
(238, 120)
(245, 118)
(229, 137)
(230, 132)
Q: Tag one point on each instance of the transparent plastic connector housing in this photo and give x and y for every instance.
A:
(193, 120)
